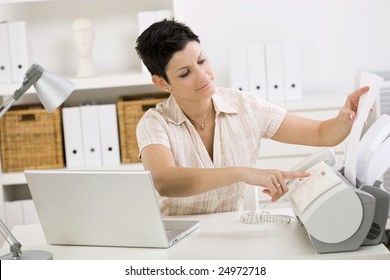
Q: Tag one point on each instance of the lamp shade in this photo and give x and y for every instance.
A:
(53, 90)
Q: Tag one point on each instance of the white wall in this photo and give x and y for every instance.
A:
(339, 38)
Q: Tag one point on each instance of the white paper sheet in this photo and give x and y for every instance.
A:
(369, 144)
(379, 163)
(366, 101)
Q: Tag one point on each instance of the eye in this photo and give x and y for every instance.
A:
(185, 74)
(201, 61)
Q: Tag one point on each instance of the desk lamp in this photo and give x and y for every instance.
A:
(52, 91)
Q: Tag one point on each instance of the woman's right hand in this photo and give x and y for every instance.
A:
(272, 180)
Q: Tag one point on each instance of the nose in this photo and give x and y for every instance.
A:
(202, 74)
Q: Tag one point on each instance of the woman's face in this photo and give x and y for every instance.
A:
(190, 73)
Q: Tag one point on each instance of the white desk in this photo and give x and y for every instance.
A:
(220, 236)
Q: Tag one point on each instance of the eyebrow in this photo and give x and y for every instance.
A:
(184, 67)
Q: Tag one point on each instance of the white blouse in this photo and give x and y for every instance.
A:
(241, 121)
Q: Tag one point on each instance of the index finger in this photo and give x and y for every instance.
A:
(295, 174)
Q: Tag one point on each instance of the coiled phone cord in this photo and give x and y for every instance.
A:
(253, 217)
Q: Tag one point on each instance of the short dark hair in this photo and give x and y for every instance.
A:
(157, 44)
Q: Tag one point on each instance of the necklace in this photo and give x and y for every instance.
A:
(202, 125)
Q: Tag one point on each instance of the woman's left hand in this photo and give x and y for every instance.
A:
(348, 111)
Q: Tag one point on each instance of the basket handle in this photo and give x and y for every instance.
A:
(27, 117)
(147, 107)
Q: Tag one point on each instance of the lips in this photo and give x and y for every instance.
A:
(204, 86)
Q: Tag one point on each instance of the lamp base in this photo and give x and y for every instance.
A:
(30, 255)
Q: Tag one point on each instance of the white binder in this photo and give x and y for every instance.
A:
(292, 73)
(274, 64)
(109, 139)
(91, 135)
(18, 50)
(5, 64)
(239, 78)
(256, 67)
(73, 138)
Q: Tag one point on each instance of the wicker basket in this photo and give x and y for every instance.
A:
(130, 111)
(31, 138)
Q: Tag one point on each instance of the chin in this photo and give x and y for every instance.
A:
(209, 92)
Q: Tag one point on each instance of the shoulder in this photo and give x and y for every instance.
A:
(159, 111)
(153, 117)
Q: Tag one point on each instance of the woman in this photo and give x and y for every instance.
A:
(201, 145)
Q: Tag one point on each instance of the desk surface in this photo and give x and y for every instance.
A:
(220, 236)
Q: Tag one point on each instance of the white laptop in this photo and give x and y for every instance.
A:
(102, 208)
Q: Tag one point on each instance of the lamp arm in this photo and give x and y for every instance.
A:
(8, 232)
(6, 105)
(32, 76)
(16, 245)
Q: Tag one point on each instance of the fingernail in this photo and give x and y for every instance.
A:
(351, 116)
(372, 109)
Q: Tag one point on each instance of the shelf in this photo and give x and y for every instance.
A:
(122, 80)
(107, 81)
(13, 178)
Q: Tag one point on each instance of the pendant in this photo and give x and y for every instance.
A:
(202, 126)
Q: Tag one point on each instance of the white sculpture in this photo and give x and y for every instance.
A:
(83, 35)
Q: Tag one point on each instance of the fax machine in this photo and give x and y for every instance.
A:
(342, 210)
(338, 216)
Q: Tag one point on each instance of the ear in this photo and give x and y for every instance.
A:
(160, 83)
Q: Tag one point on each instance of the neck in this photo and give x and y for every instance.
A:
(198, 110)
(201, 116)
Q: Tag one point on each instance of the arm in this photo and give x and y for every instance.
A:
(299, 130)
(173, 181)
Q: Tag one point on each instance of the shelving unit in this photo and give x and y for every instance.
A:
(51, 44)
